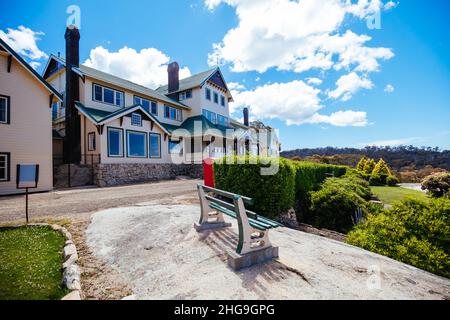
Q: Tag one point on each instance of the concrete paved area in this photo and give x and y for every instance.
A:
(156, 250)
(79, 202)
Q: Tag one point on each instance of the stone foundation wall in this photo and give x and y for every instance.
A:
(106, 175)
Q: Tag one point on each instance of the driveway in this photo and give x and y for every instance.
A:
(82, 202)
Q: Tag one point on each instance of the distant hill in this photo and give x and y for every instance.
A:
(414, 163)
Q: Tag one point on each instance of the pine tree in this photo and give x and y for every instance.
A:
(361, 164)
(369, 166)
(382, 168)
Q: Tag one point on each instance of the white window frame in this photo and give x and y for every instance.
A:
(226, 120)
(115, 92)
(150, 143)
(92, 144)
(213, 115)
(7, 107)
(136, 116)
(7, 167)
(178, 113)
(145, 143)
(138, 100)
(184, 96)
(121, 153)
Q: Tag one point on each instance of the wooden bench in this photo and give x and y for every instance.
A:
(253, 228)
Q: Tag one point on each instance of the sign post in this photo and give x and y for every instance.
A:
(27, 177)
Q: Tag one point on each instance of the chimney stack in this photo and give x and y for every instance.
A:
(246, 123)
(72, 140)
(173, 72)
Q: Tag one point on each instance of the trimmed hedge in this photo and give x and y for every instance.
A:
(272, 194)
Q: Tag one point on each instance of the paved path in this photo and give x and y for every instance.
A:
(76, 202)
(160, 255)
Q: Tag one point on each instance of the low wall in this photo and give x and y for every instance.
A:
(106, 175)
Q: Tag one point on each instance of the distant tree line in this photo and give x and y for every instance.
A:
(402, 158)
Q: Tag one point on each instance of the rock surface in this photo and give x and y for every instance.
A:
(161, 256)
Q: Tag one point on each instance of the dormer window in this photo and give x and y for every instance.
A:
(185, 95)
(136, 120)
(208, 94)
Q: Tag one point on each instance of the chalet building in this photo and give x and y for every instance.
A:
(25, 121)
(136, 131)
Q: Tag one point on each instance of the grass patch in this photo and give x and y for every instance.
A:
(30, 264)
(389, 195)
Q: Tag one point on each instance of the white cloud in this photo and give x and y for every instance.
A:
(147, 67)
(24, 41)
(390, 5)
(235, 86)
(314, 81)
(296, 36)
(348, 85)
(389, 88)
(294, 103)
(35, 64)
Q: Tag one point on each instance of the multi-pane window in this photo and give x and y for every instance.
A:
(208, 94)
(4, 167)
(108, 95)
(136, 144)
(216, 97)
(186, 95)
(148, 105)
(91, 141)
(4, 109)
(222, 101)
(211, 116)
(136, 119)
(175, 147)
(155, 145)
(115, 142)
(222, 120)
(172, 113)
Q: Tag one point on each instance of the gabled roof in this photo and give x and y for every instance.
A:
(30, 69)
(99, 117)
(83, 71)
(194, 81)
(189, 125)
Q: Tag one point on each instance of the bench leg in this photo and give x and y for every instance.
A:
(207, 213)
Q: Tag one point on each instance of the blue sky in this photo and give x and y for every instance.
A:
(390, 89)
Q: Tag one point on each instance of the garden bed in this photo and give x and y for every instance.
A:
(30, 263)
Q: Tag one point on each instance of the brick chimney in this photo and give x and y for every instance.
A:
(246, 117)
(173, 72)
(72, 140)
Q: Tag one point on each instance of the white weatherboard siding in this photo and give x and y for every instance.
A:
(29, 135)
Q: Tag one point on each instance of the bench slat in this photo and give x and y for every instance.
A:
(254, 223)
(250, 214)
(227, 194)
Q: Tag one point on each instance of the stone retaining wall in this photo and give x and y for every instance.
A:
(106, 175)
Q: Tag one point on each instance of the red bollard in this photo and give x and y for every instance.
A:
(208, 172)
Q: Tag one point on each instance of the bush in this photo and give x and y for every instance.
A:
(437, 184)
(272, 194)
(309, 176)
(334, 205)
(392, 181)
(378, 180)
(413, 231)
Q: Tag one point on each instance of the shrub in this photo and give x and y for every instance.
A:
(361, 164)
(272, 194)
(392, 181)
(438, 185)
(334, 205)
(413, 231)
(369, 166)
(309, 176)
(378, 180)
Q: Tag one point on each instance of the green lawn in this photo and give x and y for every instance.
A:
(30, 264)
(389, 195)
